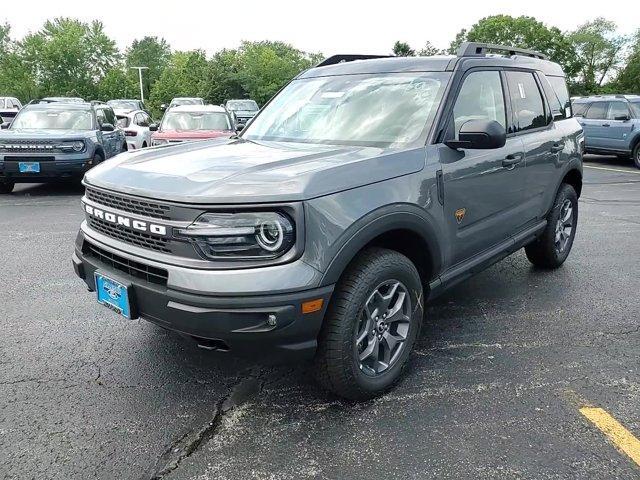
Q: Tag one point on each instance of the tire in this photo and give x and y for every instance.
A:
(552, 248)
(144, 145)
(97, 159)
(6, 187)
(125, 147)
(338, 366)
(636, 155)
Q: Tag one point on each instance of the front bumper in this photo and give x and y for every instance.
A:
(50, 169)
(238, 324)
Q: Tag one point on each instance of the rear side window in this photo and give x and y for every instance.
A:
(480, 98)
(526, 100)
(617, 109)
(579, 108)
(559, 86)
(597, 111)
(559, 104)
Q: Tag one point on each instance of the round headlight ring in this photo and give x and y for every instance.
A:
(78, 146)
(270, 235)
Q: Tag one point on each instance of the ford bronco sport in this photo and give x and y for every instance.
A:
(360, 191)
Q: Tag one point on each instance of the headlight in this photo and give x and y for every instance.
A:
(244, 235)
(77, 146)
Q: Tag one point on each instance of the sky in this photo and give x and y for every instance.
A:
(324, 26)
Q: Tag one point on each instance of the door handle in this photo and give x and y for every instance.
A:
(606, 125)
(557, 147)
(511, 160)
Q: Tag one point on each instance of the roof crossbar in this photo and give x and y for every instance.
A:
(348, 58)
(475, 49)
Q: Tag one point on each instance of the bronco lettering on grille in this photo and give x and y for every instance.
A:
(139, 225)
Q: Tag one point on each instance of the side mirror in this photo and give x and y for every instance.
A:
(624, 118)
(240, 127)
(479, 134)
(107, 127)
(5, 125)
(153, 127)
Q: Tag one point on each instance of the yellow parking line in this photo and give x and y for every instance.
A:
(613, 169)
(620, 436)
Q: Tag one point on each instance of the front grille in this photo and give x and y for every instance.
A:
(140, 239)
(30, 146)
(151, 274)
(138, 207)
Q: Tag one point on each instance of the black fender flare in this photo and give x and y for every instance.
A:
(386, 219)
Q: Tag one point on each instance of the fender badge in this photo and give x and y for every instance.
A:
(459, 214)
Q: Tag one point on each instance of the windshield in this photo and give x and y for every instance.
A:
(195, 121)
(248, 105)
(53, 119)
(387, 110)
(123, 104)
(187, 101)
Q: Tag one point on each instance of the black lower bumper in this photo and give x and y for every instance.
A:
(240, 325)
(49, 170)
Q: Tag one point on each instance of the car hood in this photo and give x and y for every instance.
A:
(43, 134)
(238, 171)
(191, 134)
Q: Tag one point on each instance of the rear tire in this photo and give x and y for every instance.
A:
(636, 155)
(370, 326)
(6, 187)
(552, 248)
(97, 159)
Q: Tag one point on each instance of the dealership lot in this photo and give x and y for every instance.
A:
(505, 362)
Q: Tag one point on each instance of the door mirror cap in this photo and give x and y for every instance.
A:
(480, 135)
(624, 118)
(153, 127)
(107, 127)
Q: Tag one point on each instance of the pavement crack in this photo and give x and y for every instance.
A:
(244, 391)
(624, 332)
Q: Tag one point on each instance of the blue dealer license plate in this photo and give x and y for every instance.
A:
(29, 167)
(113, 295)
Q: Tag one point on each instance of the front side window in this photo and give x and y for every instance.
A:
(579, 108)
(195, 121)
(53, 119)
(526, 101)
(393, 110)
(480, 98)
(597, 111)
(617, 110)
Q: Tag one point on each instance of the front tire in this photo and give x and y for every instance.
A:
(6, 187)
(636, 155)
(552, 248)
(371, 325)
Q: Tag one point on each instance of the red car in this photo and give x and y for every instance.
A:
(192, 122)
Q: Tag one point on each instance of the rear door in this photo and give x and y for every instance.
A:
(482, 188)
(595, 134)
(619, 130)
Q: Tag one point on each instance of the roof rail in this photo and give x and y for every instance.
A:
(475, 49)
(348, 58)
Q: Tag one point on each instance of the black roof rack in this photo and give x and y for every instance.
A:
(474, 49)
(348, 58)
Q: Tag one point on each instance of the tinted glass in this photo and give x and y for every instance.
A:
(617, 109)
(387, 110)
(579, 108)
(123, 122)
(53, 119)
(562, 93)
(480, 98)
(100, 116)
(526, 101)
(110, 116)
(597, 111)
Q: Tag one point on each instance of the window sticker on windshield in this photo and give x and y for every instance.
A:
(521, 89)
(332, 94)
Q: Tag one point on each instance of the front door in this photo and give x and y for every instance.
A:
(595, 133)
(619, 130)
(483, 189)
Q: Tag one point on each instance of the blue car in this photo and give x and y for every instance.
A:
(50, 141)
(611, 124)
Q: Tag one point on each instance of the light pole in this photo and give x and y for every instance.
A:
(140, 77)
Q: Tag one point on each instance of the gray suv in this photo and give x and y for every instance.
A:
(56, 141)
(362, 190)
(611, 125)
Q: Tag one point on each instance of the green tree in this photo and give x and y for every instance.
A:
(223, 77)
(117, 83)
(600, 50)
(522, 32)
(628, 80)
(403, 49)
(151, 52)
(429, 50)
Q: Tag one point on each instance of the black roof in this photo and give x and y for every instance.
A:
(469, 55)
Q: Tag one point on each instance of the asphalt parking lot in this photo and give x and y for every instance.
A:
(505, 362)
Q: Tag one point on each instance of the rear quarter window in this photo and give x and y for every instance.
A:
(561, 91)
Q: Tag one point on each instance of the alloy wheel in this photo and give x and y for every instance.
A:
(383, 327)
(564, 226)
